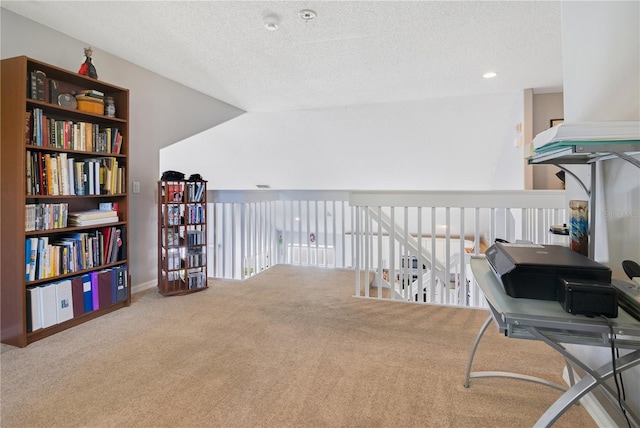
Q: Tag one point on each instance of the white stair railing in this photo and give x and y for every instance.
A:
(413, 244)
(439, 231)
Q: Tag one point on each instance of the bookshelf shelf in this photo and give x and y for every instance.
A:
(182, 237)
(84, 266)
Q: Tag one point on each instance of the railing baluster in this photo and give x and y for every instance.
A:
(392, 253)
(333, 231)
(447, 258)
(317, 233)
(380, 264)
(433, 281)
(406, 280)
(357, 245)
(325, 241)
(462, 262)
(476, 251)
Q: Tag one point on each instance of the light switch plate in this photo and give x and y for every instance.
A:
(136, 187)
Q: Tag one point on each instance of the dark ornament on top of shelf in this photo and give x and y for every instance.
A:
(87, 68)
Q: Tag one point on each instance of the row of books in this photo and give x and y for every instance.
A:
(58, 174)
(57, 302)
(195, 237)
(93, 217)
(174, 217)
(195, 191)
(46, 216)
(36, 89)
(196, 257)
(194, 278)
(170, 238)
(46, 131)
(48, 258)
(175, 258)
(195, 214)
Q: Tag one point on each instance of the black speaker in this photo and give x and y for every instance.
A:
(589, 298)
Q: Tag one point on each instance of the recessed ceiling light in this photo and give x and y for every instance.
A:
(490, 75)
(307, 14)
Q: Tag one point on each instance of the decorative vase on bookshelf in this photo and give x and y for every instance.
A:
(64, 202)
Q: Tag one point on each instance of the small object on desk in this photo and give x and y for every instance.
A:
(579, 226)
(631, 268)
(629, 292)
(535, 271)
(589, 298)
(560, 235)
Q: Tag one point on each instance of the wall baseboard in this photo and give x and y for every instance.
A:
(143, 286)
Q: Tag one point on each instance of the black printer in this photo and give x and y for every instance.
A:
(538, 271)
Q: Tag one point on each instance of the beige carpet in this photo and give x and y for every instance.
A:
(290, 347)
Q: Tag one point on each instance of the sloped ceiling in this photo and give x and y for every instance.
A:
(352, 53)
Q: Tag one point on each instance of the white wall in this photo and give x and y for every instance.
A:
(601, 66)
(545, 108)
(448, 143)
(509, 169)
(161, 113)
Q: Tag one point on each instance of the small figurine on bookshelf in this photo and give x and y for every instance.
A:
(87, 68)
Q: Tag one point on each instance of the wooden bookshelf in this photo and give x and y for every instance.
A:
(21, 189)
(182, 237)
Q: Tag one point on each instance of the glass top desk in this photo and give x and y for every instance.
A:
(546, 321)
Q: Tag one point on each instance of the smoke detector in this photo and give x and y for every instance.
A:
(307, 14)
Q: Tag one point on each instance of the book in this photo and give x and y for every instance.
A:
(78, 296)
(121, 243)
(87, 293)
(43, 243)
(27, 258)
(105, 288)
(37, 84)
(32, 87)
(71, 176)
(53, 91)
(27, 130)
(34, 309)
(121, 283)
(107, 243)
(91, 93)
(41, 78)
(92, 214)
(95, 291)
(64, 301)
(49, 312)
(92, 222)
(63, 172)
(33, 256)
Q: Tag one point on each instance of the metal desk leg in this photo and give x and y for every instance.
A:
(508, 375)
(475, 348)
(591, 380)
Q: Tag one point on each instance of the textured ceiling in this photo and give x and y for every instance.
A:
(353, 52)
